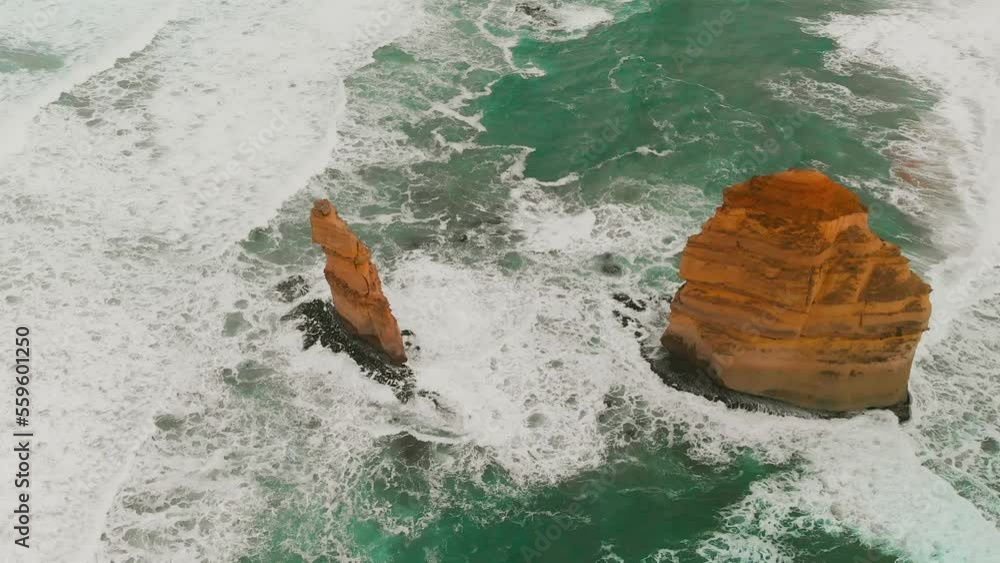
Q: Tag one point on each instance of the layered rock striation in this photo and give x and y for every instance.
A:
(789, 295)
(354, 283)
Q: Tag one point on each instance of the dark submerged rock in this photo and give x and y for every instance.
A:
(990, 445)
(612, 269)
(607, 264)
(293, 288)
(637, 305)
(410, 341)
(538, 13)
(320, 323)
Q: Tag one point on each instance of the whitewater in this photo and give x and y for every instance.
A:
(154, 163)
(120, 219)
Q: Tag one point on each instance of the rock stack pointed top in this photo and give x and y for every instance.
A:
(790, 295)
(354, 282)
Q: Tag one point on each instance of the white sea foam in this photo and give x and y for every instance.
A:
(857, 476)
(525, 359)
(533, 326)
(123, 206)
(579, 17)
(937, 471)
(85, 41)
(854, 476)
(949, 47)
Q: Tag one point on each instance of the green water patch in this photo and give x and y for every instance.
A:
(703, 93)
(640, 111)
(632, 109)
(643, 502)
(19, 59)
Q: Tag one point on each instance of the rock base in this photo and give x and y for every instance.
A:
(696, 377)
(320, 324)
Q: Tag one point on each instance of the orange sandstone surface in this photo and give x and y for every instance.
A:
(790, 295)
(354, 282)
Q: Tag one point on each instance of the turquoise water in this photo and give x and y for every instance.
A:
(18, 59)
(649, 503)
(511, 174)
(623, 124)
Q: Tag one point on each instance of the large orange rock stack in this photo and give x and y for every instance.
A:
(790, 295)
(354, 282)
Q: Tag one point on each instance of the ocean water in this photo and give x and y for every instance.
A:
(511, 173)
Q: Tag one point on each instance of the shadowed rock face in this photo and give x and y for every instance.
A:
(354, 282)
(790, 295)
